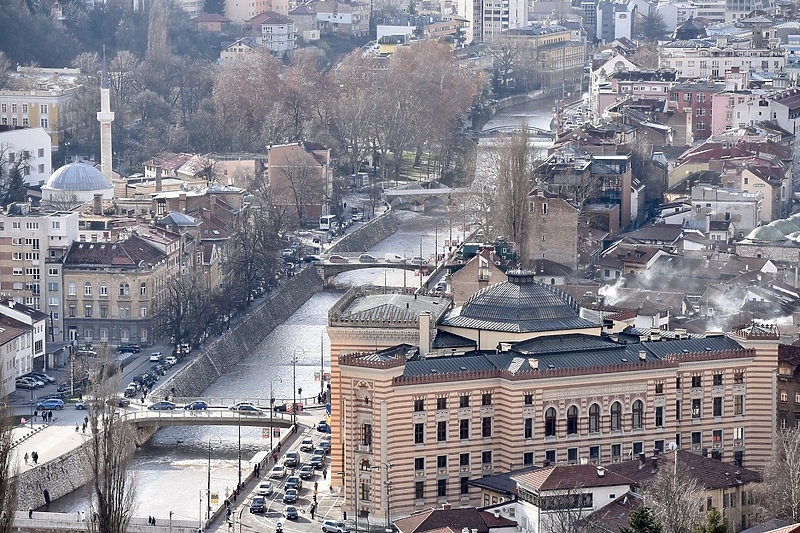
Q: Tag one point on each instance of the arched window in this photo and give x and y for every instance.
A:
(143, 289)
(550, 422)
(594, 418)
(572, 420)
(72, 289)
(87, 289)
(103, 288)
(616, 416)
(637, 415)
(124, 289)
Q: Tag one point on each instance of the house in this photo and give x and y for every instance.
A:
(299, 177)
(551, 231)
(274, 31)
(340, 18)
(19, 341)
(211, 22)
(239, 48)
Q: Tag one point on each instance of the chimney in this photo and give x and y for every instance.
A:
(182, 202)
(642, 355)
(655, 334)
(654, 465)
(11, 304)
(425, 332)
(97, 206)
(738, 477)
(601, 471)
(158, 178)
(446, 506)
(642, 460)
(708, 223)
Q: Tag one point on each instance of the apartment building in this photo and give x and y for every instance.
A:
(712, 58)
(22, 337)
(28, 148)
(490, 18)
(274, 31)
(516, 377)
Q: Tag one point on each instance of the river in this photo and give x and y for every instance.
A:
(170, 471)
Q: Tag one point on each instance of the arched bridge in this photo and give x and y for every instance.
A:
(531, 131)
(208, 417)
(422, 194)
(328, 269)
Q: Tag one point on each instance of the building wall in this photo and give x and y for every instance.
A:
(551, 234)
(376, 397)
(477, 274)
(36, 142)
(37, 108)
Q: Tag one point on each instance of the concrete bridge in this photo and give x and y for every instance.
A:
(531, 131)
(329, 270)
(45, 522)
(208, 417)
(422, 194)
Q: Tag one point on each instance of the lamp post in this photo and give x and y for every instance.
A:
(294, 383)
(321, 364)
(239, 420)
(386, 483)
(208, 486)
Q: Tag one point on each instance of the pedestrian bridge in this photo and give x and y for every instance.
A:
(329, 270)
(45, 522)
(208, 417)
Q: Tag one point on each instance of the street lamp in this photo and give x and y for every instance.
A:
(386, 483)
(208, 487)
(271, 410)
(239, 419)
(294, 384)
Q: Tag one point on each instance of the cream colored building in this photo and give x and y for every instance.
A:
(418, 413)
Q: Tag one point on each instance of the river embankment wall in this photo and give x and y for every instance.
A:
(368, 235)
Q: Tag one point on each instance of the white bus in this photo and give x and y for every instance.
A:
(328, 222)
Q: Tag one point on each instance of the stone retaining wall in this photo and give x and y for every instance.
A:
(226, 351)
(62, 475)
(367, 235)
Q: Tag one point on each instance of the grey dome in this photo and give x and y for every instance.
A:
(765, 233)
(78, 177)
(785, 226)
(520, 299)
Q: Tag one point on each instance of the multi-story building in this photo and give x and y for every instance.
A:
(490, 18)
(28, 148)
(551, 230)
(110, 290)
(340, 18)
(557, 58)
(22, 338)
(274, 31)
(307, 163)
(695, 99)
(42, 106)
(615, 19)
(32, 246)
(531, 382)
(713, 58)
(675, 13)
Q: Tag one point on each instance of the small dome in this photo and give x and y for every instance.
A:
(766, 233)
(784, 226)
(795, 219)
(78, 177)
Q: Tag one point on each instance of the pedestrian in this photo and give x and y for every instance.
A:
(76, 427)
(80, 396)
(51, 416)
(30, 513)
(79, 516)
(35, 457)
(35, 414)
(324, 474)
(85, 420)
(279, 447)
(83, 428)
(26, 458)
(313, 508)
(154, 520)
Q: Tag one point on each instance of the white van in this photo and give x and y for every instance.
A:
(394, 258)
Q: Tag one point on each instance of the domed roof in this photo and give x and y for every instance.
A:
(766, 233)
(795, 219)
(521, 305)
(78, 177)
(784, 226)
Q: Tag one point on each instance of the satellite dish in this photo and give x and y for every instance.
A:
(672, 446)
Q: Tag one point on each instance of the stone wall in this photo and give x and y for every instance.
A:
(62, 475)
(367, 235)
(226, 351)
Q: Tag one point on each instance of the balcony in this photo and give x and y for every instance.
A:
(737, 443)
(442, 471)
(419, 473)
(465, 469)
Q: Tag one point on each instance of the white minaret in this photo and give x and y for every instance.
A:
(105, 117)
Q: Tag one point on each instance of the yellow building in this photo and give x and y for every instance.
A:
(426, 399)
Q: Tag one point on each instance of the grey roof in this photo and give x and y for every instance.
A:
(78, 177)
(452, 364)
(445, 339)
(174, 218)
(692, 345)
(519, 304)
(393, 307)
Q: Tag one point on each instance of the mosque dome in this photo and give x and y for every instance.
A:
(784, 226)
(766, 233)
(78, 177)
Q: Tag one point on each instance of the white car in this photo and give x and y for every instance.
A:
(307, 445)
(155, 356)
(278, 472)
(265, 488)
(171, 360)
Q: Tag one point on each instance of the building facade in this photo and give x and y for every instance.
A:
(30, 148)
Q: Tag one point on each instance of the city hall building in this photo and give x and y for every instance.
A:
(426, 396)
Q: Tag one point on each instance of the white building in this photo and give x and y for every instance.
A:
(489, 18)
(676, 13)
(700, 58)
(275, 32)
(32, 343)
(32, 144)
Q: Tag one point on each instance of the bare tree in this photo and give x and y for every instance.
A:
(111, 444)
(8, 468)
(675, 498)
(513, 185)
(253, 256)
(566, 511)
(301, 179)
(5, 69)
(779, 495)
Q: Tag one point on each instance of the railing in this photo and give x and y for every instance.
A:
(78, 522)
(206, 416)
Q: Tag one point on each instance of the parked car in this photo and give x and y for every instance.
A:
(307, 444)
(337, 259)
(290, 496)
(129, 348)
(357, 217)
(291, 459)
(155, 356)
(197, 405)
(120, 401)
(290, 512)
(81, 405)
(325, 445)
(334, 526)
(277, 472)
(130, 391)
(306, 472)
(311, 259)
(264, 488)
(22, 383)
(317, 461)
(41, 376)
(162, 406)
(171, 360)
(258, 505)
(50, 404)
(367, 258)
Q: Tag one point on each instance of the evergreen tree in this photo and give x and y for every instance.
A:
(642, 521)
(714, 522)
